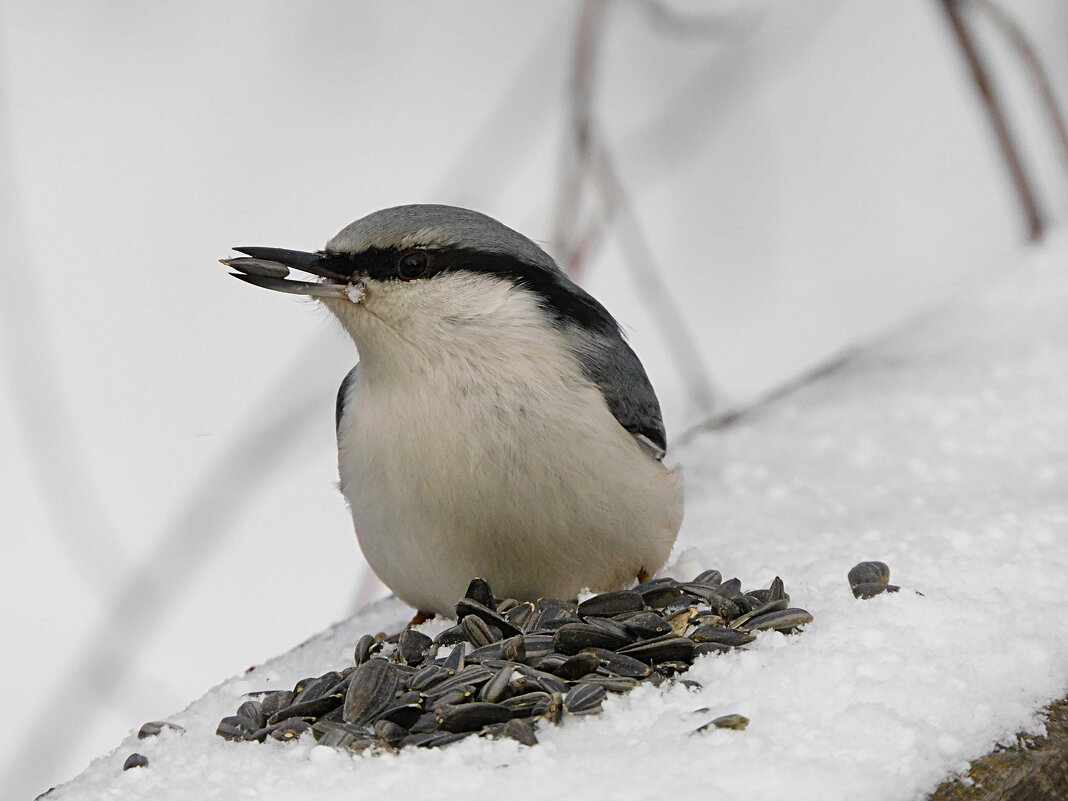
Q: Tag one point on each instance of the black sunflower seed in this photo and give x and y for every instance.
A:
(371, 691)
(472, 716)
(584, 699)
(785, 620)
(723, 636)
(612, 603)
(662, 649)
(644, 625)
(153, 728)
(496, 688)
(402, 714)
(573, 637)
(466, 606)
(479, 590)
(412, 646)
(620, 664)
(135, 761)
(236, 727)
(577, 666)
(869, 573)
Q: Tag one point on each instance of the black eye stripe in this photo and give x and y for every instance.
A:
(385, 264)
(561, 298)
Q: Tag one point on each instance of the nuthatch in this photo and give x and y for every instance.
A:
(497, 424)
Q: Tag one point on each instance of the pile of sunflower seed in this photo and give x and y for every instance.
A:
(506, 665)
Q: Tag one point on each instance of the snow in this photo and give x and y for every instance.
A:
(355, 292)
(942, 450)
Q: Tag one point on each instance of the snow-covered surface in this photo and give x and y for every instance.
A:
(942, 451)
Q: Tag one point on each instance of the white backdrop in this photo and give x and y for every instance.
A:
(804, 177)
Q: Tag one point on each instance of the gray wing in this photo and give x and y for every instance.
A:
(610, 363)
(342, 391)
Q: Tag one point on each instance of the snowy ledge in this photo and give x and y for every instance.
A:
(942, 451)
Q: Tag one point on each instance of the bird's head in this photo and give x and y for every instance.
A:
(414, 284)
(418, 270)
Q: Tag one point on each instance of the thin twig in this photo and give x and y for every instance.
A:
(576, 165)
(718, 24)
(656, 295)
(510, 128)
(588, 161)
(729, 417)
(57, 462)
(1014, 33)
(992, 103)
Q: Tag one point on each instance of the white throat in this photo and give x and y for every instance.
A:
(478, 323)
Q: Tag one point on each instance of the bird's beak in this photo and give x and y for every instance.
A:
(268, 268)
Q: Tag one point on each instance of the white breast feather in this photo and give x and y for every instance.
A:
(472, 444)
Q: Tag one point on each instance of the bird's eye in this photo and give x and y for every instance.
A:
(414, 264)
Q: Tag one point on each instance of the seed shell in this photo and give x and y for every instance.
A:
(413, 646)
(577, 666)
(722, 636)
(478, 632)
(135, 761)
(659, 592)
(550, 708)
(713, 578)
(454, 662)
(260, 267)
(472, 716)
(289, 729)
(644, 625)
(607, 604)
(496, 688)
(523, 705)
(520, 730)
(785, 620)
(467, 606)
(620, 664)
(402, 714)
(479, 590)
(153, 728)
(370, 692)
(519, 615)
(869, 573)
(236, 727)
(573, 637)
(584, 699)
(662, 649)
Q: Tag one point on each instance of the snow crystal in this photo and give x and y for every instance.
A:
(355, 292)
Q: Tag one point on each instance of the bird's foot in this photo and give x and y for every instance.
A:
(420, 618)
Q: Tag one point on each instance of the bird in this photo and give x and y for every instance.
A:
(496, 424)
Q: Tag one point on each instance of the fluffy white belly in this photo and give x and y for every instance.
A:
(536, 488)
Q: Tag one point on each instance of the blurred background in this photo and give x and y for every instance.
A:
(752, 188)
